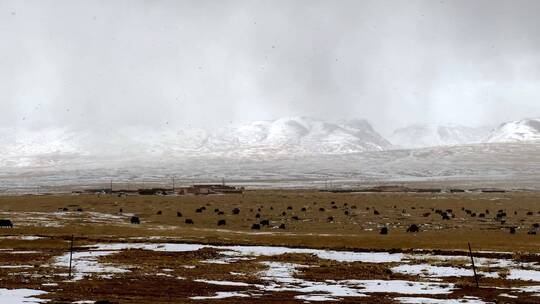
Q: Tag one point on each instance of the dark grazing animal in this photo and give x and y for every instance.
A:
(384, 230)
(198, 210)
(265, 223)
(189, 221)
(135, 220)
(6, 223)
(512, 230)
(256, 227)
(221, 223)
(330, 219)
(296, 218)
(282, 226)
(236, 211)
(413, 228)
(159, 212)
(178, 214)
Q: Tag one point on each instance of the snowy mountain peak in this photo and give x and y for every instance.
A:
(302, 135)
(431, 135)
(516, 131)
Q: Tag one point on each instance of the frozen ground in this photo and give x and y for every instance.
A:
(283, 276)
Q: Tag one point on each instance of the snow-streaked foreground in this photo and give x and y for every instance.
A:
(281, 276)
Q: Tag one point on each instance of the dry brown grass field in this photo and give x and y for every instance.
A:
(359, 229)
(43, 226)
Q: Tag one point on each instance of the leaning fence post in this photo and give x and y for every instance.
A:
(70, 255)
(473, 267)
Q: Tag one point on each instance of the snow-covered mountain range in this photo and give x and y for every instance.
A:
(525, 130)
(294, 151)
(298, 135)
(284, 137)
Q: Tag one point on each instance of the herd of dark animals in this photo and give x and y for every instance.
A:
(448, 214)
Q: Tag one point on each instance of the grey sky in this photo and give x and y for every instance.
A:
(211, 62)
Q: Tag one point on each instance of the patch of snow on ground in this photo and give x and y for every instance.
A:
(86, 263)
(470, 300)
(427, 270)
(524, 275)
(223, 283)
(20, 296)
(222, 295)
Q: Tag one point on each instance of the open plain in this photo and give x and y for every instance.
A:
(274, 246)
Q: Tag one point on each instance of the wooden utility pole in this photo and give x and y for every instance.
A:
(473, 267)
(173, 185)
(70, 255)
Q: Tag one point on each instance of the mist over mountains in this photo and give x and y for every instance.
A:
(258, 140)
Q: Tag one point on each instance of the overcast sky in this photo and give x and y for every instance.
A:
(207, 63)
